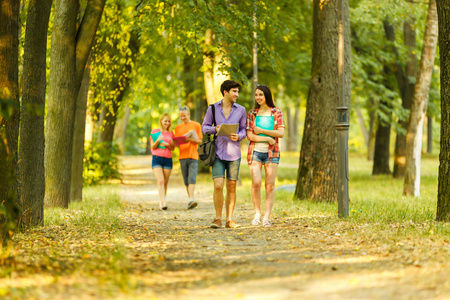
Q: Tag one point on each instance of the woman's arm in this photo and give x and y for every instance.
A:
(277, 133)
(154, 144)
(257, 138)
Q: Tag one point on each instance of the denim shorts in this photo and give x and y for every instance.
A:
(232, 168)
(189, 169)
(161, 162)
(264, 158)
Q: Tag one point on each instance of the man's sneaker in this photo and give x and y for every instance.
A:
(231, 224)
(217, 223)
(192, 204)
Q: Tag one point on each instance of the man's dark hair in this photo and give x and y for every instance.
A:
(227, 85)
(267, 94)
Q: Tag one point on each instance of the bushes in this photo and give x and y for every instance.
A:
(100, 163)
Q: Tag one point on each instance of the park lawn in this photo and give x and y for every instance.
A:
(82, 250)
(376, 202)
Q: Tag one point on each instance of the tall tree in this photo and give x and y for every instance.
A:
(9, 115)
(317, 174)
(443, 201)
(32, 139)
(383, 132)
(69, 53)
(419, 105)
(76, 187)
(405, 86)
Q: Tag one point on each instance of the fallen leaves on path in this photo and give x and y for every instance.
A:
(172, 254)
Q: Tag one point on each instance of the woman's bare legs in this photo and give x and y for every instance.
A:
(255, 172)
(162, 179)
(271, 173)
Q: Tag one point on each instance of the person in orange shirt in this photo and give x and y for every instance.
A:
(188, 151)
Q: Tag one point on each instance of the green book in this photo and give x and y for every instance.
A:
(155, 136)
(265, 122)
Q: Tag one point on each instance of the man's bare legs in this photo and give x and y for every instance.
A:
(230, 200)
(190, 189)
(218, 196)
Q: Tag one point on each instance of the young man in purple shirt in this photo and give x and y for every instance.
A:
(228, 153)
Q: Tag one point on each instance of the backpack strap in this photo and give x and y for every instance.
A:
(214, 118)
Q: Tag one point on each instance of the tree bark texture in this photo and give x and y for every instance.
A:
(9, 80)
(405, 86)
(383, 133)
(69, 53)
(9, 123)
(76, 189)
(364, 130)
(32, 139)
(317, 174)
(420, 104)
(429, 134)
(443, 201)
(208, 66)
(291, 115)
(373, 119)
(381, 152)
(62, 97)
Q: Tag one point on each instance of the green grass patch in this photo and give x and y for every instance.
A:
(375, 201)
(99, 210)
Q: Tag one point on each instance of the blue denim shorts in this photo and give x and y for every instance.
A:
(161, 162)
(189, 169)
(264, 158)
(232, 168)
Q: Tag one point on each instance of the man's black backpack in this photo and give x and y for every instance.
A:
(207, 150)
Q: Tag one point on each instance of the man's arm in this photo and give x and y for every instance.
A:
(207, 127)
(242, 131)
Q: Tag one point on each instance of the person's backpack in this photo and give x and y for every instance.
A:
(207, 150)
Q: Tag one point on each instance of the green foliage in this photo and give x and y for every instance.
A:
(372, 87)
(100, 163)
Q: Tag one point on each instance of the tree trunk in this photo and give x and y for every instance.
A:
(69, 53)
(364, 131)
(119, 89)
(317, 174)
(62, 97)
(373, 119)
(383, 134)
(429, 134)
(443, 202)
(419, 105)
(292, 131)
(76, 186)
(381, 153)
(91, 120)
(9, 80)
(405, 86)
(9, 120)
(32, 139)
(109, 118)
(220, 75)
(208, 66)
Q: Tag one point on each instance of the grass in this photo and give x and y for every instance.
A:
(99, 210)
(375, 201)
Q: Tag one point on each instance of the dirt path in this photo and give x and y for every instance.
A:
(176, 256)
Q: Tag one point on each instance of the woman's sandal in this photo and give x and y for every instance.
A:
(256, 221)
(266, 223)
(163, 208)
